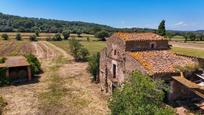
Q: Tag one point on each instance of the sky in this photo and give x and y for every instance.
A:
(179, 14)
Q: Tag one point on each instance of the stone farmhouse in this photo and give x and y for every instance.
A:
(150, 54)
(17, 68)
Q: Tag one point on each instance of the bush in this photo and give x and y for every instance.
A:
(34, 62)
(66, 34)
(37, 33)
(82, 54)
(140, 95)
(57, 37)
(33, 38)
(5, 36)
(88, 39)
(2, 59)
(18, 36)
(78, 51)
(102, 35)
(93, 67)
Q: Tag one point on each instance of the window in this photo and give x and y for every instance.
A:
(153, 45)
(115, 52)
(114, 70)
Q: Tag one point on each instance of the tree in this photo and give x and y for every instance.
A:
(78, 51)
(161, 29)
(57, 37)
(34, 62)
(198, 36)
(33, 38)
(5, 36)
(18, 36)
(102, 35)
(170, 35)
(78, 32)
(140, 95)
(192, 36)
(66, 34)
(93, 67)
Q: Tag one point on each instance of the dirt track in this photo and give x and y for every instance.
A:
(80, 95)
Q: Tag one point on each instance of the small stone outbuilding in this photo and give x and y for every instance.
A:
(17, 68)
(148, 53)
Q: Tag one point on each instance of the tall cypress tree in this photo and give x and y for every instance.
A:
(161, 29)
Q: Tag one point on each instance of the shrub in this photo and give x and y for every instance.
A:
(57, 37)
(102, 35)
(33, 38)
(93, 67)
(2, 59)
(34, 62)
(18, 36)
(78, 51)
(66, 34)
(37, 33)
(5, 36)
(88, 39)
(82, 54)
(140, 95)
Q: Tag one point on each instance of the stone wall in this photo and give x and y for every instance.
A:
(145, 45)
(132, 65)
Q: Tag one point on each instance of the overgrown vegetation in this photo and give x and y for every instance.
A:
(93, 67)
(2, 104)
(34, 62)
(140, 96)
(78, 51)
(4, 80)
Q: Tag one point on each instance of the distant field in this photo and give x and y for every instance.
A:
(42, 36)
(189, 52)
(178, 38)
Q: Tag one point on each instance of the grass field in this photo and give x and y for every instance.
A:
(13, 47)
(189, 52)
(92, 46)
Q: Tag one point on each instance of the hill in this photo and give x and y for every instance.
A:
(11, 23)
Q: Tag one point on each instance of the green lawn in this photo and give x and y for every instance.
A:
(189, 52)
(92, 46)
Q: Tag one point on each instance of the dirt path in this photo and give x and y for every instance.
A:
(64, 88)
(188, 45)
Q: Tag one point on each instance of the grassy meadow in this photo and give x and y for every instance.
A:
(189, 52)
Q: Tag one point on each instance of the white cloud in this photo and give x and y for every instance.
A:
(181, 23)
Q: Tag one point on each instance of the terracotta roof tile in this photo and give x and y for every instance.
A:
(137, 36)
(16, 61)
(163, 61)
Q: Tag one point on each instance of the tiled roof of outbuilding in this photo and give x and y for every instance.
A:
(15, 61)
(137, 36)
(163, 61)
